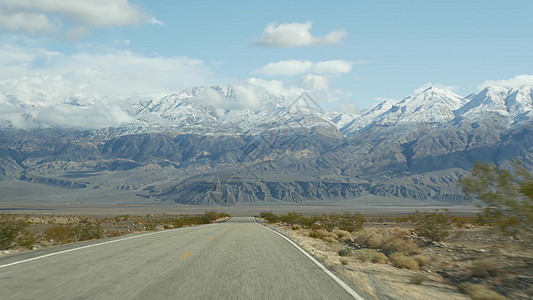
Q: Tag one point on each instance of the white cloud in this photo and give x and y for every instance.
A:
(32, 23)
(286, 67)
(112, 73)
(72, 116)
(33, 16)
(73, 89)
(427, 85)
(515, 82)
(288, 35)
(315, 82)
(297, 67)
(277, 87)
(333, 66)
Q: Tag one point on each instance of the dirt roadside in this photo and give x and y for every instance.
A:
(475, 263)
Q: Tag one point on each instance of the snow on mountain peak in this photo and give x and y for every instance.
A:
(432, 105)
(249, 108)
(505, 102)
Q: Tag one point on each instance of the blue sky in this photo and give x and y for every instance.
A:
(346, 53)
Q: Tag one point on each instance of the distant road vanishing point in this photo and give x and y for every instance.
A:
(238, 259)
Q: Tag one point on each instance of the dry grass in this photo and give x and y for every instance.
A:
(342, 235)
(400, 260)
(369, 255)
(479, 292)
(483, 268)
(418, 278)
(422, 260)
(387, 241)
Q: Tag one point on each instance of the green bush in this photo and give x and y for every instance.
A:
(316, 235)
(86, 230)
(351, 222)
(187, 220)
(433, 226)
(60, 233)
(506, 196)
(345, 251)
(13, 232)
(347, 221)
(269, 216)
(309, 222)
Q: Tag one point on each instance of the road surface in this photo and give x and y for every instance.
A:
(238, 259)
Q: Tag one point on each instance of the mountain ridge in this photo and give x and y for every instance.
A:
(180, 148)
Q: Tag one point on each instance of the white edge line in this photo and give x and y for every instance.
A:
(93, 245)
(337, 279)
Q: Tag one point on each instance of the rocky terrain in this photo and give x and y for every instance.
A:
(213, 145)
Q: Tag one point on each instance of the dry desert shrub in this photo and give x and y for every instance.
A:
(342, 235)
(369, 255)
(60, 234)
(14, 233)
(400, 260)
(315, 234)
(347, 221)
(422, 260)
(418, 278)
(479, 292)
(435, 226)
(369, 239)
(388, 242)
(483, 268)
(345, 251)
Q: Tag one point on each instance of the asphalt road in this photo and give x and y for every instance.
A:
(238, 259)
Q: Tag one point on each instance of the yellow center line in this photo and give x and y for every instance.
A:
(185, 256)
(211, 238)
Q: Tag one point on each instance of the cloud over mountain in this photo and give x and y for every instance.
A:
(517, 81)
(111, 73)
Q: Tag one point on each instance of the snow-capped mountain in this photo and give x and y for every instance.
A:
(440, 106)
(367, 117)
(430, 106)
(433, 105)
(250, 109)
(507, 105)
(341, 119)
(232, 109)
(272, 148)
